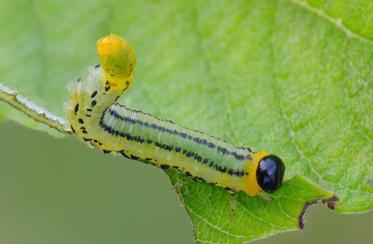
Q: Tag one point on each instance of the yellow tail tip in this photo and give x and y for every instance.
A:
(117, 59)
(110, 45)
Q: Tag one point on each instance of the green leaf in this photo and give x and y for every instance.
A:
(221, 218)
(291, 77)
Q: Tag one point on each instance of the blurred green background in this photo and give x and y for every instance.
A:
(60, 191)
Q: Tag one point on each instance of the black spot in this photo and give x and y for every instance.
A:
(93, 103)
(97, 66)
(200, 179)
(72, 128)
(106, 151)
(94, 94)
(107, 88)
(76, 108)
(198, 158)
(164, 166)
(81, 121)
(134, 157)
(187, 173)
(124, 154)
(107, 82)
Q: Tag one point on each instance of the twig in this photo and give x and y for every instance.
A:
(32, 110)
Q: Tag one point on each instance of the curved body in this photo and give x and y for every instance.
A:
(95, 116)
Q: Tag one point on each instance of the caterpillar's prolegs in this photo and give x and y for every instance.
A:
(95, 116)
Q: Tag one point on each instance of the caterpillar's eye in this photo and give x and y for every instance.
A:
(270, 173)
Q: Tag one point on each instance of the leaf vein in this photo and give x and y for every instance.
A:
(257, 217)
(338, 23)
(215, 226)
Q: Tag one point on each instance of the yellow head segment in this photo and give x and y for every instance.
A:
(118, 61)
(265, 173)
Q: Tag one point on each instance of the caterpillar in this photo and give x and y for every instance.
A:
(97, 118)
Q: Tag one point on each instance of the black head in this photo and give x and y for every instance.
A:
(270, 173)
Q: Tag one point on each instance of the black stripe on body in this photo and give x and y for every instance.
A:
(184, 135)
(170, 148)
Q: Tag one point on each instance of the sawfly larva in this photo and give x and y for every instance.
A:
(97, 118)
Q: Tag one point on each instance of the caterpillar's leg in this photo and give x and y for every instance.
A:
(232, 203)
(181, 182)
(265, 196)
